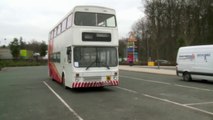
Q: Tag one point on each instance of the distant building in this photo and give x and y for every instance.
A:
(45, 57)
(5, 53)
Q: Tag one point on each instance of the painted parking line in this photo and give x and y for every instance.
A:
(202, 103)
(125, 89)
(167, 101)
(166, 83)
(140, 79)
(65, 103)
(197, 88)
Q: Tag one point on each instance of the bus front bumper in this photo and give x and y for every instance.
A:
(95, 84)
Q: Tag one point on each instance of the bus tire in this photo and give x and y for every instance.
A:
(187, 76)
(63, 81)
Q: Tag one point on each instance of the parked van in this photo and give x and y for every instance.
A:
(195, 62)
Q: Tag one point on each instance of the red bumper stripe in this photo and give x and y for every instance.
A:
(94, 84)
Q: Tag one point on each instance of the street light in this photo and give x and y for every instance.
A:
(147, 47)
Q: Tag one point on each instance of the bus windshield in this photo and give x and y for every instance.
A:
(95, 57)
(95, 19)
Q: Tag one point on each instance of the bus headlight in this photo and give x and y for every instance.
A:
(77, 75)
(115, 77)
(77, 78)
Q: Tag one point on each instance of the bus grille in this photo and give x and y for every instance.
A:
(93, 78)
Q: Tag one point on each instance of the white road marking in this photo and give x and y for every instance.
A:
(168, 101)
(125, 89)
(197, 88)
(179, 104)
(202, 103)
(166, 83)
(70, 109)
(146, 80)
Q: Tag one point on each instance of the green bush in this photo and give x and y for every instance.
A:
(16, 63)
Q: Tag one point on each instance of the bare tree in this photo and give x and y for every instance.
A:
(170, 24)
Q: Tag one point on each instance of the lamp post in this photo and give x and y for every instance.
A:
(147, 46)
(139, 37)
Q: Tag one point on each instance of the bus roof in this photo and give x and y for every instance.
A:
(87, 8)
(98, 9)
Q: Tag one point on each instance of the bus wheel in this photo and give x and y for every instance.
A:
(187, 76)
(63, 82)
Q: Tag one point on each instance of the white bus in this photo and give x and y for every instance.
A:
(83, 48)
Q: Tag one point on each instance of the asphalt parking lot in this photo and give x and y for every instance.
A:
(28, 93)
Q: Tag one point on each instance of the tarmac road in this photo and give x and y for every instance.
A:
(27, 93)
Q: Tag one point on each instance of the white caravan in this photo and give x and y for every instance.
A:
(195, 62)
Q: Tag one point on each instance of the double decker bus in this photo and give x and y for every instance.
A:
(83, 48)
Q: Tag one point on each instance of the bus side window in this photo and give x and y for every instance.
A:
(69, 54)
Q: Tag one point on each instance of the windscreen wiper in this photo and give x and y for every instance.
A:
(90, 65)
(107, 66)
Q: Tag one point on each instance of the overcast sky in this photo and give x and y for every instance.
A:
(33, 19)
